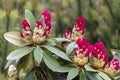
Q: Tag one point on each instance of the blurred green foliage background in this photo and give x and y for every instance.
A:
(102, 19)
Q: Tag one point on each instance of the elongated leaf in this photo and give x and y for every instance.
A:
(117, 78)
(26, 63)
(99, 77)
(73, 73)
(42, 19)
(116, 54)
(52, 75)
(117, 74)
(70, 47)
(62, 69)
(81, 76)
(84, 76)
(104, 76)
(14, 38)
(9, 63)
(30, 18)
(62, 40)
(89, 68)
(57, 52)
(38, 54)
(50, 61)
(49, 43)
(30, 76)
(93, 76)
(19, 53)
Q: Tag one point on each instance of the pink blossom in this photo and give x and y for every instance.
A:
(25, 25)
(114, 63)
(67, 34)
(79, 25)
(99, 52)
(83, 47)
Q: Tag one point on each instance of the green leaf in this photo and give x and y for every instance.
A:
(117, 75)
(85, 76)
(30, 76)
(63, 69)
(70, 47)
(52, 75)
(26, 63)
(99, 77)
(116, 53)
(73, 73)
(14, 38)
(9, 63)
(38, 54)
(104, 75)
(89, 68)
(19, 53)
(81, 76)
(49, 43)
(30, 18)
(57, 52)
(50, 61)
(42, 19)
(93, 76)
(62, 40)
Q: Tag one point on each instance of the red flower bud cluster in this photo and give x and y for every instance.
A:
(114, 63)
(27, 33)
(79, 26)
(99, 55)
(77, 31)
(67, 34)
(41, 30)
(112, 67)
(82, 51)
(83, 47)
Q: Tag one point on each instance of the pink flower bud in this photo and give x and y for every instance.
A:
(46, 32)
(47, 15)
(38, 24)
(83, 47)
(25, 25)
(114, 63)
(27, 33)
(112, 67)
(67, 34)
(78, 29)
(47, 20)
(99, 56)
(79, 25)
(82, 52)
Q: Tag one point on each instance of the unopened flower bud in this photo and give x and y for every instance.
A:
(99, 56)
(25, 25)
(12, 71)
(112, 67)
(47, 21)
(82, 52)
(38, 35)
(78, 29)
(27, 33)
(67, 34)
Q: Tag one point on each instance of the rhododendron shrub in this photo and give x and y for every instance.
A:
(41, 57)
(35, 49)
